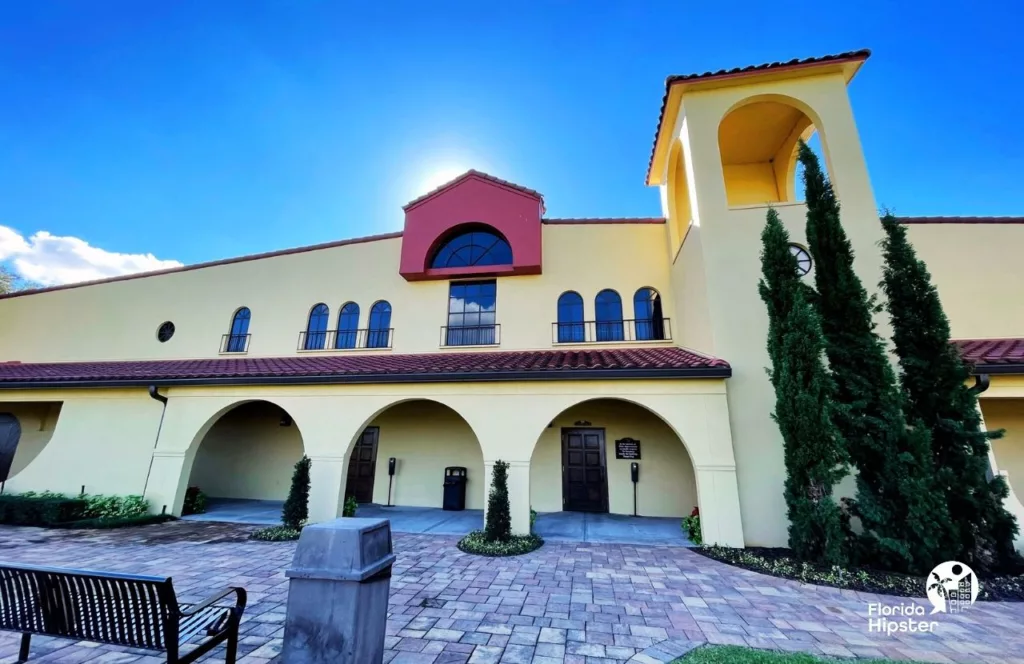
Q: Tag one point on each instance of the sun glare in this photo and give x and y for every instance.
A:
(438, 177)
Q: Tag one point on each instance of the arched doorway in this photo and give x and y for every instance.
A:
(424, 437)
(582, 465)
(245, 460)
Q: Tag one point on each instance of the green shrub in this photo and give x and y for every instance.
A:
(533, 518)
(350, 506)
(195, 501)
(276, 534)
(691, 524)
(498, 525)
(479, 544)
(107, 522)
(296, 508)
(40, 510)
(115, 506)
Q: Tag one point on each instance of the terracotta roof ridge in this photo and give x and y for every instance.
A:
(205, 264)
(603, 220)
(960, 220)
(468, 174)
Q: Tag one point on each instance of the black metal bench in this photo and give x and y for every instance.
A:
(120, 609)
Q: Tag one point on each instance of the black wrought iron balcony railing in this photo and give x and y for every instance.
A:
(235, 343)
(471, 335)
(345, 339)
(659, 329)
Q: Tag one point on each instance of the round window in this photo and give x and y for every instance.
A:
(165, 331)
(803, 259)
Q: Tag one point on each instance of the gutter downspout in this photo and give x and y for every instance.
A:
(981, 383)
(154, 393)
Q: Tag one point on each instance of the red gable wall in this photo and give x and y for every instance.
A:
(473, 198)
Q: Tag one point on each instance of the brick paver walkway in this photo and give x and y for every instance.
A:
(575, 603)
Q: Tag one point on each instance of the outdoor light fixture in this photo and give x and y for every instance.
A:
(286, 420)
(582, 423)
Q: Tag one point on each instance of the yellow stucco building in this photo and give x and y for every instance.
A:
(570, 348)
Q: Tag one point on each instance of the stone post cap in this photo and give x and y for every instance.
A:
(347, 549)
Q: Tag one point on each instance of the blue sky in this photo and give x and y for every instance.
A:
(203, 129)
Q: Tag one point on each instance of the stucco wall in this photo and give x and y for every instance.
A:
(38, 421)
(426, 437)
(978, 270)
(248, 454)
(1009, 450)
(103, 439)
(667, 486)
(119, 320)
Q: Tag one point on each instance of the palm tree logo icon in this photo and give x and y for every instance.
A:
(952, 587)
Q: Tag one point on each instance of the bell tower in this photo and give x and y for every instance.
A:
(724, 153)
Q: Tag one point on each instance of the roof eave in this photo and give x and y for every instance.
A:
(1006, 368)
(849, 65)
(461, 377)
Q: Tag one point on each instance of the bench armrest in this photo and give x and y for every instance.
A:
(240, 599)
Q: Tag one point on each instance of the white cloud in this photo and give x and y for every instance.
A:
(52, 260)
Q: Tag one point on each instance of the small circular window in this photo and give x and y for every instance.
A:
(165, 331)
(803, 259)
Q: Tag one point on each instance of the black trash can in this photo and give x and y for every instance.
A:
(454, 488)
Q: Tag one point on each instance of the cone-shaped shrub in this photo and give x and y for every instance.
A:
(296, 508)
(934, 379)
(814, 452)
(903, 517)
(499, 519)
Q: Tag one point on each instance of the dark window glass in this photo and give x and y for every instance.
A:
(647, 311)
(379, 334)
(471, 313)
(165, 332)
(316, 329)
(239, 331)
(348, 326)
(476, 247)
(608, 307)
(570, 317)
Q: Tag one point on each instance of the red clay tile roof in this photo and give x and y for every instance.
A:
(603, 220)
(470, 173)
(961, 220)
(796, 63)
(433, 367)
(993, 355)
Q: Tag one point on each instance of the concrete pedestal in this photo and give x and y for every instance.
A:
(338, 593)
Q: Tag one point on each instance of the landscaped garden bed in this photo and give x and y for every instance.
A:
(496, 539)
(781, 563)
(55, 510)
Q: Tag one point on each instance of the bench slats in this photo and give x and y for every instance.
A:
(120, 609)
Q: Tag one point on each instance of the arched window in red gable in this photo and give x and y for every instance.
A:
(473, 246)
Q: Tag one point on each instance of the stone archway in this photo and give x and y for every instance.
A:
(424, 436)
(667, 485)
(247, 452)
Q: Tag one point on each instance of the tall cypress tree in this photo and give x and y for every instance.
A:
(814, 454)
(934, 380)
(901, 514)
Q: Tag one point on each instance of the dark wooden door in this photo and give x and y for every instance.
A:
(362, 466)
(10, 433)
(584, 480)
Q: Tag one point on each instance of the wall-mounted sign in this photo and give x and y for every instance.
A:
(627, 448)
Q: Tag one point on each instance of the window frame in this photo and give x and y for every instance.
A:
(608, 328)
(498, 241)
(238, 331)
(316, 338)
(482, 332)
(378, 336)
(347, 336)
(569, 330)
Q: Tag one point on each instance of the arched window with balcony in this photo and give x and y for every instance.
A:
(649, 320)
(238, 338)
(608, 310)
(473, 246)
(379, 332)
(570, 318)
(316, 329)
(348, 326)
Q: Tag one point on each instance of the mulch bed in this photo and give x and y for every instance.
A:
(781, 563)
